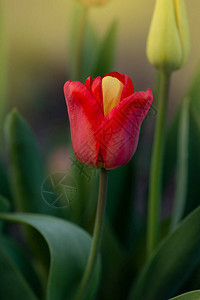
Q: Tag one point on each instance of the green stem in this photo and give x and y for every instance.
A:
(182, 165)
(98, 228)
(80, 42)
(156, 167)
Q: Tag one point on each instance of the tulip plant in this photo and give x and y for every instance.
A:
(63, 237)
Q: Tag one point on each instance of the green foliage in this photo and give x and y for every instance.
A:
(171, 263)
(21, 261)
(112, 264)
(195, 295)
(89, 43)
(4, 204)
(4, 207)
(4, 183)
(182, 164)
(172, 153)
(26, 168)
(68, 246)
(13, 285)
(106, 55)
(97, 57)
(82, 211)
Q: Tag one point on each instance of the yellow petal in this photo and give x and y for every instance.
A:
(112, 90)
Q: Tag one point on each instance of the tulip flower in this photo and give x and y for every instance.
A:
(105, 119)
(168, 41)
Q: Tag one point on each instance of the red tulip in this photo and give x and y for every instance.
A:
(105, 118)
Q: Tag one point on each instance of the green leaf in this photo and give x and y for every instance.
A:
(170, 155)
(194, 145)
(106, 56)
(13, 285)
(112, 264)
(194, 295)
(4, 185)
(193, 162)
(4, 207)
(26, 166)
(26, 169)
(69, 247)
(193, 187)
(119, 213)
(83, 210)
(194, 91)
(89, 45)
(182, 165)
(4, 204)
(90, 50)
(171, 263)
(22, 263)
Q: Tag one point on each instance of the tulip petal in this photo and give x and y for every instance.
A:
(85, 117)
(119, 132)
(95, 87)
(127, 82)
(88, 82)
(112, 90)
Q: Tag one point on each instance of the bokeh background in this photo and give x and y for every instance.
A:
(36, 42)
(38, 53)
(37, 38)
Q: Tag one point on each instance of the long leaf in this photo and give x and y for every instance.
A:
(194, 295)
(193, 162)
(22, 263)
(106, 56)
(171, 263)
(69, 248)
(13, 285)
(182, 165)
(26, 169)
(4, 207)
(171, 158)
(90, 43)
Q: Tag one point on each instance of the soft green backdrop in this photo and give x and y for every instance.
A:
(38, 36)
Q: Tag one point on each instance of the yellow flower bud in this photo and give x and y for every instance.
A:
(93, 2)
(168, 41)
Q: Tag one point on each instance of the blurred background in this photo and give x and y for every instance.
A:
(37, 35)
(36, 60)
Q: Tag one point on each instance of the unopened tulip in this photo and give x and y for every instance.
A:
(168, 41)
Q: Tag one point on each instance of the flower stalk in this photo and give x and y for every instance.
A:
(97, 235)
(153, 222)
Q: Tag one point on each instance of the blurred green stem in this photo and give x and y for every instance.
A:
(80, 42)
(98, 229)
(3, 71)
(155, 182)
(182, 165)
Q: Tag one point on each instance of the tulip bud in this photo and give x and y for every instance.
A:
(168, 41)
(93, 2)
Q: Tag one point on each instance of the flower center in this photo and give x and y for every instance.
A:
(112, 91)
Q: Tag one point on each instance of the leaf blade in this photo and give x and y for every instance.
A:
(174, 260)
(69, 247)
(194, 295)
